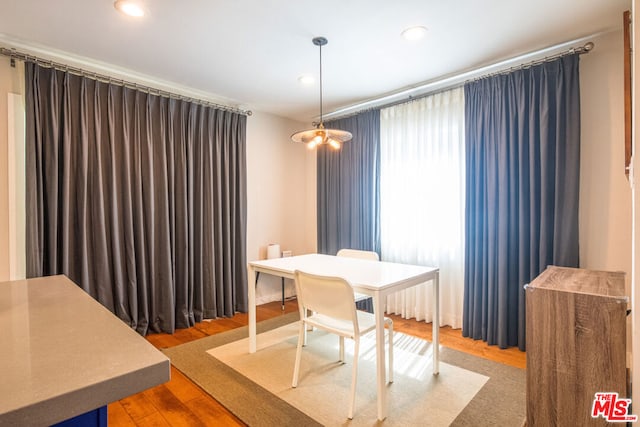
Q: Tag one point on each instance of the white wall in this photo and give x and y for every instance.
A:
(281, 176)
(280, 205)
(280, 186)
(605, 195)
(605, 192)
(275, 214)
(11, 214)
(606, 198)
(635, 170)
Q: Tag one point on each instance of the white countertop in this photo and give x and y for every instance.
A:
(63, 354)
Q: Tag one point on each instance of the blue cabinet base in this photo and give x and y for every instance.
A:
(95, 418)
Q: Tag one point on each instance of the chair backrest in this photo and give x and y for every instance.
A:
(356, 253)
(331, 296)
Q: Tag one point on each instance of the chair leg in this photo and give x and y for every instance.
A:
(307, 327)
(341, 355)
(296, 366)
(390, 375)
(354, 377)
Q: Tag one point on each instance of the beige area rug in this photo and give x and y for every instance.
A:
(257, 387)
(416, 397)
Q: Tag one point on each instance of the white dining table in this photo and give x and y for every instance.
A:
(377, 279)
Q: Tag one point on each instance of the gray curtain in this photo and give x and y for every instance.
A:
(139, 199)
(348, 187)
(523, 166)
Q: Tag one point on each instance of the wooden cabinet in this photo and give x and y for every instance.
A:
(576, 344)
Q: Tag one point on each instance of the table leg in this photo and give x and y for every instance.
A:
(378, 311)
(251, 280)
(283, 294)
(436, 324)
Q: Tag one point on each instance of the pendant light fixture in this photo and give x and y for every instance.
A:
(320, 135)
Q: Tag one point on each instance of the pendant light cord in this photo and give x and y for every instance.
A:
(321, 84)
(319, 135)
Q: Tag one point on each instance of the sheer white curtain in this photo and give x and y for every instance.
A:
(422, 199)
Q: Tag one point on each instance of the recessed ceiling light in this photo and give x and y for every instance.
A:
(130, 8)
(306, 80)
(414, 33)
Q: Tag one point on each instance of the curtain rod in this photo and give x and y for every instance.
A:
(455, 80)
(579, 50)
(21, 56)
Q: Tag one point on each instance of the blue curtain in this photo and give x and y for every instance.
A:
(522, 133)
(348, 187)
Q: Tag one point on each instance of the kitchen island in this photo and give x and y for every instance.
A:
(64, 355)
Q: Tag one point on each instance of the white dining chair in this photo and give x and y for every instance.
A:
(331, 303)
(357, 253)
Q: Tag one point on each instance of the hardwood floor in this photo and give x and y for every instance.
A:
(182, 403)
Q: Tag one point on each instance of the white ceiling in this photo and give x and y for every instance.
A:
(250, 53)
